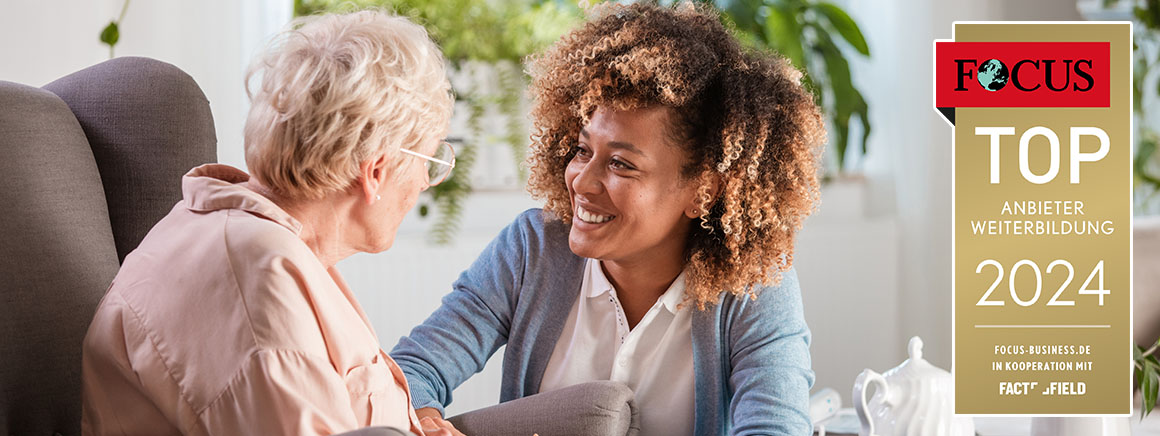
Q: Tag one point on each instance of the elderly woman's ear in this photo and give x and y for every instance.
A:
(372, 174)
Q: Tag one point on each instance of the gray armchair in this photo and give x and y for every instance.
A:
(89, 164)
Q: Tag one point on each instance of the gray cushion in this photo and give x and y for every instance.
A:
(589, 409)
(56, 260)
(148, 123)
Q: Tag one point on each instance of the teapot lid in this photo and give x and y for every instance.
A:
(915, 365)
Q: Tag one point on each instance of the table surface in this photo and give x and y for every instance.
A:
(1020, 426)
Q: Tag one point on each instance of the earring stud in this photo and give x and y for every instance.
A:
(378, 197)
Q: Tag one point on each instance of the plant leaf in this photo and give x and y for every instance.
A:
(1149, 388)
(847, 100)
(1157, 86)
(841, 137)
(1148, 14)
(110, 35)
(783, 33)
(747, 39)
(742, 12)
(1137, 377)
(863, 114)
(844, 25)
(1145, 152)
(837, 69)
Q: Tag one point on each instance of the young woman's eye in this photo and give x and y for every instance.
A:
(620, 165)
(580, 150)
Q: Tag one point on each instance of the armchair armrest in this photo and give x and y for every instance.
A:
(594, 408)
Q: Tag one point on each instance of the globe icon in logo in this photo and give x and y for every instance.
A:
(993, 75)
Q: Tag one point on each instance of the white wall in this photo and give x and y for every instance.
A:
(41, 40)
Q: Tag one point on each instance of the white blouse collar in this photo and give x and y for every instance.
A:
(599, 285)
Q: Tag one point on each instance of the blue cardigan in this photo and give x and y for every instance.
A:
(752, 359)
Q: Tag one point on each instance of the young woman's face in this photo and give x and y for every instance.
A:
(629, 201)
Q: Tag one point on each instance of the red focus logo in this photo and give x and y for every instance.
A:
(1022, 74)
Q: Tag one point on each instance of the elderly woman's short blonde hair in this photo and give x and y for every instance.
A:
(337, 90)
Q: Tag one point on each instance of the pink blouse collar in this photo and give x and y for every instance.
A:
(213, 187)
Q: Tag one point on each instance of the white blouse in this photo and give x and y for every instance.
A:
(655, 358)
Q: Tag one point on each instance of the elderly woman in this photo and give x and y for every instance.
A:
(230, 317)
(676, 167)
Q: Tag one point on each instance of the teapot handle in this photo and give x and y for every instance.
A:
(864, 379)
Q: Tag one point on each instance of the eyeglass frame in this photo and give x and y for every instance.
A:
(438, 161)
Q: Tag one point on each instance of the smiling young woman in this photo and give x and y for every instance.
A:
(632, 207)
(676, 168)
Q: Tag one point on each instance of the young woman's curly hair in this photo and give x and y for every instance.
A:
(743, 117)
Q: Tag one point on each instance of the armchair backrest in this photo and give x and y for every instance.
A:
(148, 123)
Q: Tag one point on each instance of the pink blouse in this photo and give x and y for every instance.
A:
(224, 322)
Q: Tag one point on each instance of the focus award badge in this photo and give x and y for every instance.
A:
(1042, 215)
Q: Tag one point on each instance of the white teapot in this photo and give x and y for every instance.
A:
(913, 399)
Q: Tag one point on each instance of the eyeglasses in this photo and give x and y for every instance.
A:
(438, 166)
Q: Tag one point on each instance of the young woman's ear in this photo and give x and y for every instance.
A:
(713, 181)
(373, 174)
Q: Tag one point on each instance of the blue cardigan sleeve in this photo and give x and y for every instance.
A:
(455, 342)
(770, 356)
